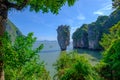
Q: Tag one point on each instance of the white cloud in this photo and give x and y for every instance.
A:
(81, 17)
(107, 7)
(104, 10)
(99, 12)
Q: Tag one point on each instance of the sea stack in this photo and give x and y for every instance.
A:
(63, 36)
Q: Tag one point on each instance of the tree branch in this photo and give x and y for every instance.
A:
(18, 7)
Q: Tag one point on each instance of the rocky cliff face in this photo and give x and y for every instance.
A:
(63, 36)
(12, 30)
(95, 31)
(113, 19)
(80, 37)
(90, 37)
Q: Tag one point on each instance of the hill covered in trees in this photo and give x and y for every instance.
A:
(12, 30)
(89, 35)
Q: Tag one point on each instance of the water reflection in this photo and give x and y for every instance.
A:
(50, 57)
(51, 52)
(96, 54)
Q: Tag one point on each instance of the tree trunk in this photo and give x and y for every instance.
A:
(2, 30)
(3, 19)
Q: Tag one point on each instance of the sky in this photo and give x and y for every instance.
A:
(44, 25)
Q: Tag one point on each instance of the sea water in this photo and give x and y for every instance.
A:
(51, 51)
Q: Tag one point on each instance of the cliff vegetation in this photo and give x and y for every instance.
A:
(89, 35)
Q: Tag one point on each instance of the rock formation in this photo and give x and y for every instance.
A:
(89, 35)
(80, 37)
(63, 36)
(95, 31)
(12, 30)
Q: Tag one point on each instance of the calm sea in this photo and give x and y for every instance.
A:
(51, 52)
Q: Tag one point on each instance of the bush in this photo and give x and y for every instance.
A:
(111, 56)
(73, 66)
(114, 33)
(111, 59)
(21, 62)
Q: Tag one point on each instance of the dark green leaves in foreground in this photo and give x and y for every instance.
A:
(111, 56)
(21, 61)
(116, 4)
(114, 34)
(49, 5)
(73, 66)
(43, 5)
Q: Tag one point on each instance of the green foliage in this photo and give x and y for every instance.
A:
(111, 60)
(111, 56)
(73, 66)
(12, 30)
(64, 31)
(80, 31)
(45, 5)
(95, 26)
(114, 33)
(103, 70)
(21, 62)
(116, 4)
(95, 30)
(101, 20)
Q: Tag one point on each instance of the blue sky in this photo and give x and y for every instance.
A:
(44, 25)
